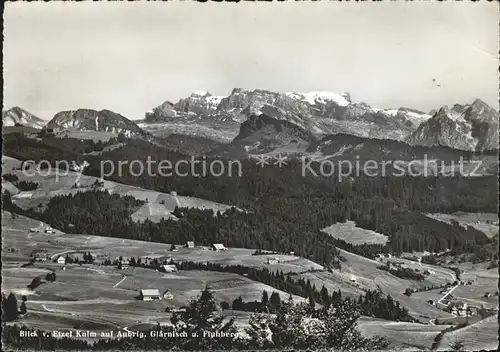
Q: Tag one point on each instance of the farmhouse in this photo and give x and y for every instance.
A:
(124, 265)
(34, 229)
(49, 230)
(61, 260)
(168, 268)
(190, 244)
(41, 256)
(150, 294)
(353, 278)
(462, 309)
(168, 295)
(218, 247)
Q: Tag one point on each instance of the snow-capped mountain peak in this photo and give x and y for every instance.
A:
(200, 93)
(320, 97)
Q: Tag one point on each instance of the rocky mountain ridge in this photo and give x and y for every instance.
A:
(17, 116)
(93, 120)
(467, 127)
(261, 134)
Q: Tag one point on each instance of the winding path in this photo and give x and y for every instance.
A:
(118, 283)
(447, 293)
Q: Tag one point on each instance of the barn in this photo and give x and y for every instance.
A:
(150, 294)
(61, 260)
(218, 247)
(168, 268)
(190, 244)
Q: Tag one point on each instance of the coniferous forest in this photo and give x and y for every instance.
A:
(284, 211)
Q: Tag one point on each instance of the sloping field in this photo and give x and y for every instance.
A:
(107, 149)
(472, 219)
(163, 130)
(103, 296)
(368, 277)
(152, 211)
(8, 163)
(16, 234)
(60, 182)
(483, 280)
(191, 202)
(352, 234)
(8, 186)
(17, 279)
(401, 335)
(94, 135)
(482, 335)
(100, 297)
(106, 284)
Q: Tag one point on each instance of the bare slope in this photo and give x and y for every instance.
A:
(482, 335)
(477, 220)
(60, 182)
(350, 233)
(402, 335)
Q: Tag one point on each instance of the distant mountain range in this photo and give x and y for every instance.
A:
(316, 114)
(321, 113)
(467, 127)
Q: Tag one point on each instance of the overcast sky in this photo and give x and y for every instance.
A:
(130, 57)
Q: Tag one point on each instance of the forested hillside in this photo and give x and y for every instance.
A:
(285, 210)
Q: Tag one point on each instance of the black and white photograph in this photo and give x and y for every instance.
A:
(250, 175)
